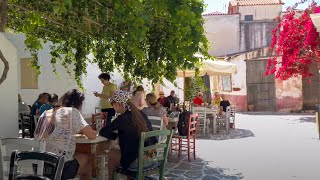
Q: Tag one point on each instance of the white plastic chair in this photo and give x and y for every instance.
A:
(202, 118)
(7, 145)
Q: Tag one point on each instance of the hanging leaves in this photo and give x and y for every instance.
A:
(143, 39)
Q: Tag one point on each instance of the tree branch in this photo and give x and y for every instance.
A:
(4, 6)
(6, 68)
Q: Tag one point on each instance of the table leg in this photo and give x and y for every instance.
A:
(214, 125)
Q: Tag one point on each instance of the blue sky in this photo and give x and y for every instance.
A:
(222, 5)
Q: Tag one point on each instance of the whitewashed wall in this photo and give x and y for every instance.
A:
(9, 91)
(222, 32)
(47, 80)
(168, 87)
(263, 12)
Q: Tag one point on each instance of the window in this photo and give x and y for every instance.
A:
(28, 75)
(226, 83)
(248, 17)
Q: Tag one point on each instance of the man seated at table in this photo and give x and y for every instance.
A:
(164, 101)
(223, 106)
(129, 126)
(198, 100)
(52, 101)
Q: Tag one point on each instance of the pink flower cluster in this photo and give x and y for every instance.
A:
(297, 41)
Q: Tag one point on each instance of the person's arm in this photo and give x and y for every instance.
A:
(165, 118)
(89, 132)
(108, 131)
(79, 125)
(104, 96)
(141, 99)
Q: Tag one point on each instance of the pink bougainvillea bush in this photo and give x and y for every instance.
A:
(295, 39)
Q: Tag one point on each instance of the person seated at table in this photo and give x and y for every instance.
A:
(224, 103)
(42, 99)
(217, 99)
(163, 100)
(198, 100)
(129, 125)
(173, 98)
(52, 101)
(138, 98)
(155, 108)
(58, 127)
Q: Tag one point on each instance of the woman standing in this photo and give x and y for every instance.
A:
(138, 98)
(57, 128)
(108, 90)
(129, 125)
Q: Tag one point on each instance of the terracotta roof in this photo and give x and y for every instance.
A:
(254, 2)
(216, 13)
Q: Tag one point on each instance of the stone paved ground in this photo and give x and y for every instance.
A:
(263, 147)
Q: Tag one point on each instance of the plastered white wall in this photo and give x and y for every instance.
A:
(263, 12)
(222, 32)
(9, 91)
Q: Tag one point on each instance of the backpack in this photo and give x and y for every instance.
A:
(183, 123)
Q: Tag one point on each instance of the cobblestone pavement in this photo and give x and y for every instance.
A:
(180, 168)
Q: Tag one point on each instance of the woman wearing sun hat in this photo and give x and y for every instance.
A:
(129, 124)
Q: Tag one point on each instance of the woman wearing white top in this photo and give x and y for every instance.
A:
(57, 128)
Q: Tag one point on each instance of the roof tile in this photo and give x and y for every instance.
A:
(254, 2)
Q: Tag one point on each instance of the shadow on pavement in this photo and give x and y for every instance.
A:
(233, 134)
(180, 168)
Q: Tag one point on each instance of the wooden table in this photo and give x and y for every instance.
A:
(213, 120)
(93, 148)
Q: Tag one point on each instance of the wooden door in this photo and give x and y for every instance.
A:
(311, 90)
(260, 88)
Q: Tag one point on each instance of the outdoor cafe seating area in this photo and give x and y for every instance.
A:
(203, 121)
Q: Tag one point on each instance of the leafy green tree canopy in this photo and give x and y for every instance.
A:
(141, 38)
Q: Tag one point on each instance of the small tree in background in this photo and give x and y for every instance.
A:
(297, 41)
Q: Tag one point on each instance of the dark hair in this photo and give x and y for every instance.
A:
(139, 88)
(72, 98)
(53, 98)
(137, 119)
(42, 95)
(104, 76)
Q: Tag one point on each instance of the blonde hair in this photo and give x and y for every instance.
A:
(152, 100)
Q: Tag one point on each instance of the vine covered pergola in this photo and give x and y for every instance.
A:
(141, 38)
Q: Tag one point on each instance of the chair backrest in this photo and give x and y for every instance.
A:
(16, 157)
(97, 109)
(157, 122)
(25, 123)
(201, 111)
(193, 121)
(7, 145)
(99, 120)
(36, 119)
(160, 146)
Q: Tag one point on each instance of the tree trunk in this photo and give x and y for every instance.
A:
(3, 7)
(6, 68)
(207, 93)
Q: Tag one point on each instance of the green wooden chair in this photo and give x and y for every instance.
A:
(158, 162)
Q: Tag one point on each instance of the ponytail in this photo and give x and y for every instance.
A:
(137, 118)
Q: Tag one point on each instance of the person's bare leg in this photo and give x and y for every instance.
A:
(114, 157)
(85, 169)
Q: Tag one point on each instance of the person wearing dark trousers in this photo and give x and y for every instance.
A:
(108, 91)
